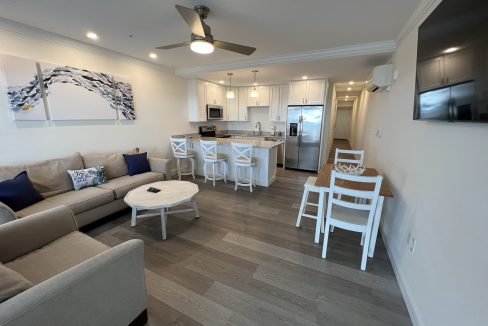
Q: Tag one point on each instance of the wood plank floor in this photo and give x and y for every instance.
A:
(245, 263)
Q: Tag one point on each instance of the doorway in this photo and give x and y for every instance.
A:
(342, 128)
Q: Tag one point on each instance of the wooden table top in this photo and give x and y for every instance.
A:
(323, 180)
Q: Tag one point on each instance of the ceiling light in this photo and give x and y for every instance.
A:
(349, 88)
(254, 91)
(351, 83)
(153, 55)
(201, 46)
(450, 50)
(230, 93)
(92, 36)
(221, 81)
(304, 77)
(255, 84)
(347, 96)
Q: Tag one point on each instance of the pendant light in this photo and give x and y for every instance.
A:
(230, 93)
(254, 91)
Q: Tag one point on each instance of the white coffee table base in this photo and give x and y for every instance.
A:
(163, 212)
(173, 193)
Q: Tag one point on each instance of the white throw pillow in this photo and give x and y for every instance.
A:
(88, 177)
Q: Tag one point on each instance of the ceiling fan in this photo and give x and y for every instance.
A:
(202, 40)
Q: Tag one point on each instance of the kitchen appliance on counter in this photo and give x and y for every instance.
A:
(211, 131)
(215, 112)
(303, 137)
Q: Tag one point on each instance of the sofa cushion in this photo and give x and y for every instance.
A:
(113, 163)
(11, 283)
(137, 163)
(9, 172)
(78, 201)
(56, 257)
(19, 193)
(122, 185)
(51, 177)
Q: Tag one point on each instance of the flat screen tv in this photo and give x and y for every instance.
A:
(452, 63)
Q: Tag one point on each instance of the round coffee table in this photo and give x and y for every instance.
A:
(173, 193)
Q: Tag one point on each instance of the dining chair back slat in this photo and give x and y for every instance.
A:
(209, 150)
(179, 147)
(338, 159)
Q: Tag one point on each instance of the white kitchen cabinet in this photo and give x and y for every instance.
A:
(262, 99)
(214, 93)
(274, 104)
(297, 92)
(232, 106)
(242, 104)
(315, 92)
(445, 70)
(197, 103)
(283, 103)
(306, 92)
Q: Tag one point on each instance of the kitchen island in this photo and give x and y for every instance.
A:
(264, 151)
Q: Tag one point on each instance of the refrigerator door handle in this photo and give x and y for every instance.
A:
(300, 130)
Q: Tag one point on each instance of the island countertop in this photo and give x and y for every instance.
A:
(255, 142)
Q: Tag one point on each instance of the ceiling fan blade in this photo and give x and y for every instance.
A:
(172, 46)
(242, 49)
(193, 20)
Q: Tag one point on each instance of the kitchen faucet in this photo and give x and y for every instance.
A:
(258, 125)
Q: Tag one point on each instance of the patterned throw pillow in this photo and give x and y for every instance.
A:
(88, 177)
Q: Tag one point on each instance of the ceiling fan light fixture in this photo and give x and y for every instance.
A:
(201, 46)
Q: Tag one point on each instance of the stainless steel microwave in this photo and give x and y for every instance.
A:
(215, 112)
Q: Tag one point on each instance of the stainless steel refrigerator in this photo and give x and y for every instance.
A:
(303, 135)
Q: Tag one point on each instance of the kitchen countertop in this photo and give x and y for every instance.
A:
(256, 143)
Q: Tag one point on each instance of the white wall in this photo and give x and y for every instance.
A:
(437, 171)
(159, 96)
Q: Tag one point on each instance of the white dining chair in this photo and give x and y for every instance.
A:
(182, 152)
(215, 159)
(355, 160)
(308, 187)
(356, 217)
(243, 159)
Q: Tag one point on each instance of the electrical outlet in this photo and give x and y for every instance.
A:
(411, 242)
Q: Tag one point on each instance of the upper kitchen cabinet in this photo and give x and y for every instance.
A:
(197, 103)
(279, 103)
(262, 99)
(307, 92)
(215, 94)
(446, 70)
(243, 104)
(232, 106)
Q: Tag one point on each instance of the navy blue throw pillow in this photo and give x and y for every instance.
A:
(137, 163)
(19, 192)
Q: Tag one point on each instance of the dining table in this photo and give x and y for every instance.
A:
(323, 183)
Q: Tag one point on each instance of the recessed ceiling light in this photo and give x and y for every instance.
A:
(349, 88)
(255, 84)
(351, 83)
(92, 36)
(304, 77)
(221, 81)
(347, 96)
(153, 55)
(450, 50)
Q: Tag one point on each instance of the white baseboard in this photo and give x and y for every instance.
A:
(412, 306)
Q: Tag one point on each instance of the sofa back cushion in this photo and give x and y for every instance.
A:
(19, 193)
(9, 172)
(113, 163)
(51, 177)
(11, 283)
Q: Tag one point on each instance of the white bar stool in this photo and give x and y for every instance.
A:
(182, 152)
(309, 187)
(242, 158)
(210, 155)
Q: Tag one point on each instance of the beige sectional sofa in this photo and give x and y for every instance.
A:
(52, 180)
(74, 279)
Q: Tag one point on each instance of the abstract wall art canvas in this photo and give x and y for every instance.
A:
(71, 93)
(23, 88)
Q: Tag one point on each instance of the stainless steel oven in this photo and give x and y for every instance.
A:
(215, 112)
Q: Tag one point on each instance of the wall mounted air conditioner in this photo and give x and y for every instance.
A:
(381, 79)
